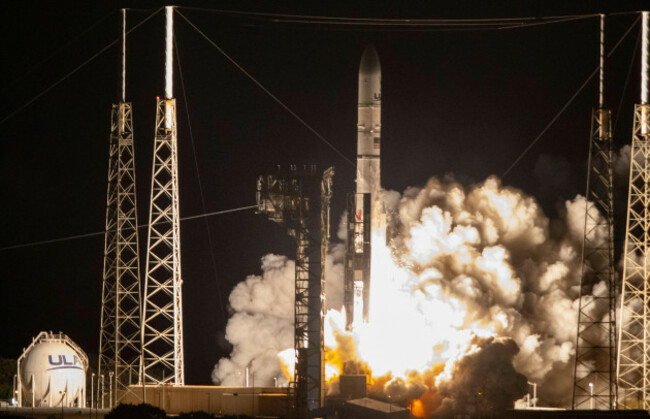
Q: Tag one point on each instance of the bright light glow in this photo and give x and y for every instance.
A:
(123, 55)
(644, 71)
(357, 320)
(601, 81)
(644, 59)
(413, 325)
(288, 362)
(169, 45)
(169, 113)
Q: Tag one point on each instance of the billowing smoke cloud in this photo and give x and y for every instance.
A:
(486, 251)
(484, 381)
(490, 247)
(261, 326)
(262, 323)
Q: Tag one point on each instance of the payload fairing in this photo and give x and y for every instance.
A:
(364, 207)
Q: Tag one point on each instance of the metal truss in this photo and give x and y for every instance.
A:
(300, 200)
(594, 384)
(162, 329)
(107, 336)
(632, 373)
(119, 352)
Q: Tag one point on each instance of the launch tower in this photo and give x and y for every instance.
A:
(299, 199)
(119, 339)
(633, 377)
(594, 384)
(162, 329)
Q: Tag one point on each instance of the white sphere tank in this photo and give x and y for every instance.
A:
(52, 372)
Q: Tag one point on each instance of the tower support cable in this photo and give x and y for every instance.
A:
(268, 92)
(566, 105)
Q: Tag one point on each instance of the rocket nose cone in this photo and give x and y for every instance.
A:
(370, 61)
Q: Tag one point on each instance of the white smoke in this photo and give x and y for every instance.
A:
(491, 248)
(261, 326)
(622, 162)
(487, 246)
(262, 323)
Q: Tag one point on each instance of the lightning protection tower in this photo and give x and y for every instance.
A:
(594, 382)
(632, 372)
(119, 339)
(162, 328)
(299, 199)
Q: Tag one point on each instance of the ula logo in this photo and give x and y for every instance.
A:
(61, 361)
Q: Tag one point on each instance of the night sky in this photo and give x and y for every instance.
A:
(461, 103)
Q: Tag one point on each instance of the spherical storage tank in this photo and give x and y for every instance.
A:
(52, 372)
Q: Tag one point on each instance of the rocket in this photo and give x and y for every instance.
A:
(369, 123)
(363, 206)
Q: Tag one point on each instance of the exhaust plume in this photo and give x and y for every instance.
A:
(475, 295)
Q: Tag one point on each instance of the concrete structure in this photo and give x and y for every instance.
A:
(54, 412)
(250, 401)
(353, 386)
(541, 413)
(367, 408)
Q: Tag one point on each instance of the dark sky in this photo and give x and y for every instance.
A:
(462, 103)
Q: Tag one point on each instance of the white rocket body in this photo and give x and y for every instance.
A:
(369, 124)
(368, 180)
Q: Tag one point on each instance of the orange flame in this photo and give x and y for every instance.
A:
(417, 409)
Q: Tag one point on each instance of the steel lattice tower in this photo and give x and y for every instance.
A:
(300, 201)
(632, 372)
(162, 328)
(119, 351)
(594, 383)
